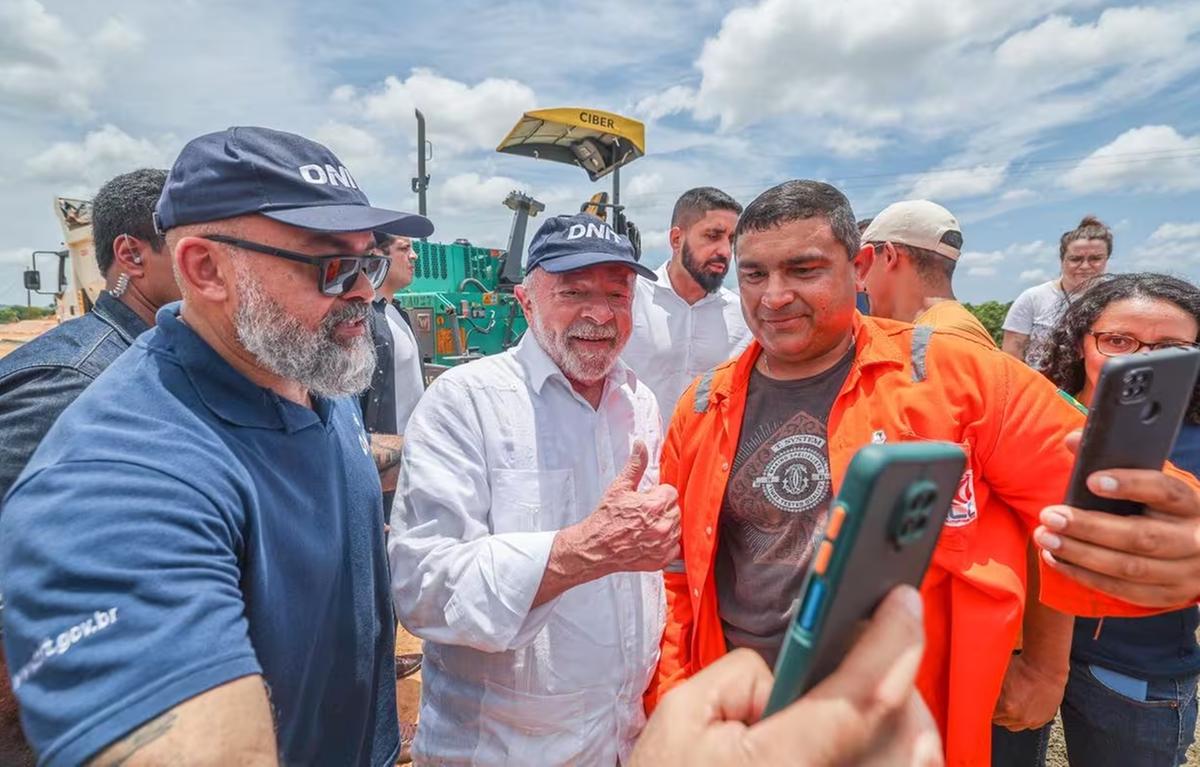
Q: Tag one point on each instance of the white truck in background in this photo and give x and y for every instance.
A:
(75, 278)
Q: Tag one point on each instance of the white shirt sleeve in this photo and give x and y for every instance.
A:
(454, 581)
(1020, 315)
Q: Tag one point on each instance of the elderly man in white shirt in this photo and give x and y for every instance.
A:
(529, 529)
(685, 323)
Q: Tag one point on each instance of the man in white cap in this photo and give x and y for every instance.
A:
(917, 244)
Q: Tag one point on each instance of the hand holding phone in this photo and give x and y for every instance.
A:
(1136, 410)
(881, 533)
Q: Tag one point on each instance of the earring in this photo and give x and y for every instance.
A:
(121, 286)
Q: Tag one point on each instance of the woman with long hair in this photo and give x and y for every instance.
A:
(1130, 698)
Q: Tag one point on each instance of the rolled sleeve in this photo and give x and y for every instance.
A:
(456, 578)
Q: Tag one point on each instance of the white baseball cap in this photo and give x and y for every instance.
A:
(919, 223)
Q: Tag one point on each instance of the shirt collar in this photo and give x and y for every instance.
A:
(226, 392)
(539, 368)
(664, 283)
(124, 320)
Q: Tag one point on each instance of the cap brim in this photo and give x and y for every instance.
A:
(583, 260)
(353, 218)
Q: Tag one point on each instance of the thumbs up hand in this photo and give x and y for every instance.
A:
(633, 530)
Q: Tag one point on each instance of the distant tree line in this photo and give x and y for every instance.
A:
(16, 313)
(991, 314)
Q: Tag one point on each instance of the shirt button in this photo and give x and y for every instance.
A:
(708, 530)
(696, 593)
(725, 466)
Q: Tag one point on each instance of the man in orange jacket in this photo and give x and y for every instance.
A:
(758, 447)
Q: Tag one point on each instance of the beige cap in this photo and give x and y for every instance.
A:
(919, 223)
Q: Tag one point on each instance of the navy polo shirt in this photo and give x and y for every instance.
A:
(181, 527)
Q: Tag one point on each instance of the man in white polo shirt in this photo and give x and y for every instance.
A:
(686, 323)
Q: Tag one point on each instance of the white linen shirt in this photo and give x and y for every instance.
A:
(500, 454)
(674, 341)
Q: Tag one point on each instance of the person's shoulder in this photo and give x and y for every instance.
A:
(64, 346)
(492, 372)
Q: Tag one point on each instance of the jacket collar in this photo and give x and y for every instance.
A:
(119, 317)
(873, 346)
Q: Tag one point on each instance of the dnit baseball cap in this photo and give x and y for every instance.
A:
(919, 223)
(282, 176)
(567, 243)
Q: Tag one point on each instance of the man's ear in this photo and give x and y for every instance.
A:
(129, 256)
(675, 238)
(862, 265)
(203, 269)
(526, 302)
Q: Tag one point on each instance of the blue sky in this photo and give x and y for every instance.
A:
(1019, 116)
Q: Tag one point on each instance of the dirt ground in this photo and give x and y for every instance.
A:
(13, 334)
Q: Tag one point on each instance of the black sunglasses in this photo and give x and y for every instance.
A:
(336, 274)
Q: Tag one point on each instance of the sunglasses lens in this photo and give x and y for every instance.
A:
(338, 275)
(376, 268)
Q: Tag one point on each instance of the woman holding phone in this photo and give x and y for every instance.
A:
(1130, 698)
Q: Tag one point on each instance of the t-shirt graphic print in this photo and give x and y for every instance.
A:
(775, 505)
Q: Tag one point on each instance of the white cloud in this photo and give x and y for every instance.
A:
(40, 63)
(1151, 158)
(1034, 276)
(643, 184)
(459, 117)
(1006, 260)
(470, 191)
(676, 99)
(1169, 247)
(362, 152)
(996, 74)
(1018, 195)
(849, 143)
(115, 36)
(103, 153)
(959, 182)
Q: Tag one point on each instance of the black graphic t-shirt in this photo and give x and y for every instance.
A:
(775, 505)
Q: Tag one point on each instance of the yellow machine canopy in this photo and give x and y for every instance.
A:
(594, 140)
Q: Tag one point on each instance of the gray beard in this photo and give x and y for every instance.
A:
(312, 358)
(577, 366)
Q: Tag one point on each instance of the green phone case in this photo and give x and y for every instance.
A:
(895, 499)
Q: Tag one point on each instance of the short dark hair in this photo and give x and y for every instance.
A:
(1063, 361)
(1090, 228)
(800, 199)
(125, 205)
(694, 203)
(863, 224)
(933, 268)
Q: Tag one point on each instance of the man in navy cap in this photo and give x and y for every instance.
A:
(529, 528)
(193, 560)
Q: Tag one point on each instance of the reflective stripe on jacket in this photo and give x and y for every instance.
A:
(906, 383)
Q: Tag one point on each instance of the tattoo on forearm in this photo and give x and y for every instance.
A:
(121, 752)
(386, 449)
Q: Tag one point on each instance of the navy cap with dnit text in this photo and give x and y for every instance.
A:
(280, 175)
(566, 243)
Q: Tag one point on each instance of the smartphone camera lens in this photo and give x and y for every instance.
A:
(912, 512)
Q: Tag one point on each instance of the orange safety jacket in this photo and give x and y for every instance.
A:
(906, 383)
